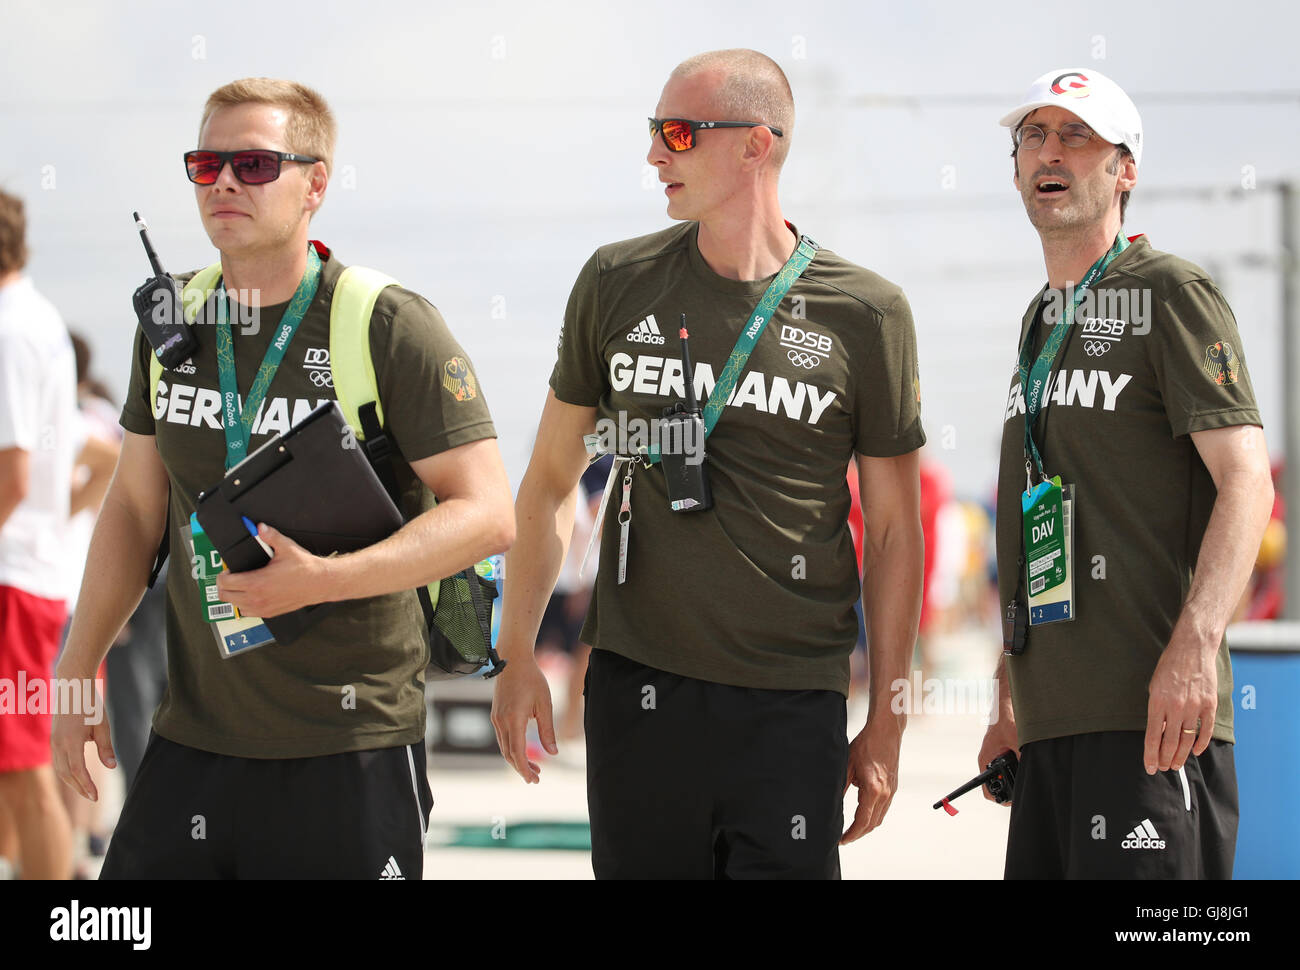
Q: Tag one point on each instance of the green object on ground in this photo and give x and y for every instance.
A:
(574, 836)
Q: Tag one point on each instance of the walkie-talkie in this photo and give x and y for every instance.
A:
(159, 309)
(1000, 776)
(681, 444)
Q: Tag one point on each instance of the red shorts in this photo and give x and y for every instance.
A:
(30, 630)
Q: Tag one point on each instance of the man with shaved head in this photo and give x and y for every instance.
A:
(723, 614)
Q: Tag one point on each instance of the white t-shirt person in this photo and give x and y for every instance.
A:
(38, 413)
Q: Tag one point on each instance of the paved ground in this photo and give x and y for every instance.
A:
(915, 841)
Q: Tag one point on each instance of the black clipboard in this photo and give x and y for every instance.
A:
(315, 484)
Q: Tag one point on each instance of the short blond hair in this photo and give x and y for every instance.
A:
(310, 130)
(754, 88)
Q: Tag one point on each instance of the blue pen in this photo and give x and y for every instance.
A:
(252, 531)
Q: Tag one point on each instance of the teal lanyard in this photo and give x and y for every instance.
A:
(237, 419)
(1033, 382)
(798, 262)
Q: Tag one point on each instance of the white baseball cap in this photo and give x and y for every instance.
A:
(1098, 101)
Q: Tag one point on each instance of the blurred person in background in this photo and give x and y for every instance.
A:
(936, 494)
(91, 476)
(561, 631)
(39, 443)
(136, 666)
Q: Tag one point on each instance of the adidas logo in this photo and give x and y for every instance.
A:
(646, 332)
(392, 872)
(1144, 836)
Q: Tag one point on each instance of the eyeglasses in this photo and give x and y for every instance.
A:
(1073, 135)
(679, 134)
(252, 166)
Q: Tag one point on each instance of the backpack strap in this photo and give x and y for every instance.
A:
(353, 369)
(164, 544)
(357, 388)
(379, 449)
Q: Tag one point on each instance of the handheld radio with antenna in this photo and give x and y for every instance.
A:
(682, 444)
(158, 307)
(1000, 776)
(688, 372)
(148, 245)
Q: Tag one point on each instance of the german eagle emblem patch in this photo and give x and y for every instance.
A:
(459, 380)
(1221, 363)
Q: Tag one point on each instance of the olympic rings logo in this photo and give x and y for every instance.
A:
(1095, 348)
(322, 378)
(800, 359)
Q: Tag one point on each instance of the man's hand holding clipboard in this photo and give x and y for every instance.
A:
(294, 578)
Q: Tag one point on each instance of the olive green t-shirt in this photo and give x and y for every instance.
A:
(759, 590)
(1157, 358)
(355, 680)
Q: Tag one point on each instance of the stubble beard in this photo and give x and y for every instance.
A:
(1080, 213)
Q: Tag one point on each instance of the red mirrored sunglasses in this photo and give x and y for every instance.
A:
(679, 134)
(252, 166)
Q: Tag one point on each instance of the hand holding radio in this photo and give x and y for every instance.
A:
(999, 776)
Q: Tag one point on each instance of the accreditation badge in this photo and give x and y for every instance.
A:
(234, 632)
(1047, 516)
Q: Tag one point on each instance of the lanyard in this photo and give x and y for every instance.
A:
(238, 418)
(1035, 378)
(767, 305)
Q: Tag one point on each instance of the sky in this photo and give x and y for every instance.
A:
(486, 150)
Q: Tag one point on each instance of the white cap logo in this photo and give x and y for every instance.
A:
(1065, 84)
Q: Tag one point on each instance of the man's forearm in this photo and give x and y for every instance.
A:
(1227, 556)
(545, 522)
(121, 554)
(435, 544)
(891, 604)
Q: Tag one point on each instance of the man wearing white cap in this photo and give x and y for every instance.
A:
(1132, 497)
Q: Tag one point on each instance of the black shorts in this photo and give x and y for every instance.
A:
(1085, 808)
(688, 779)
(193, 814)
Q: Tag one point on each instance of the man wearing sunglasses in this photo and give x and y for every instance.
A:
(716, 726)
(1141, 442)
(303, 760)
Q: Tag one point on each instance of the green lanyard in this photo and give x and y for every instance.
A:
(803, 255)
(1036, 378)
(236, 418)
